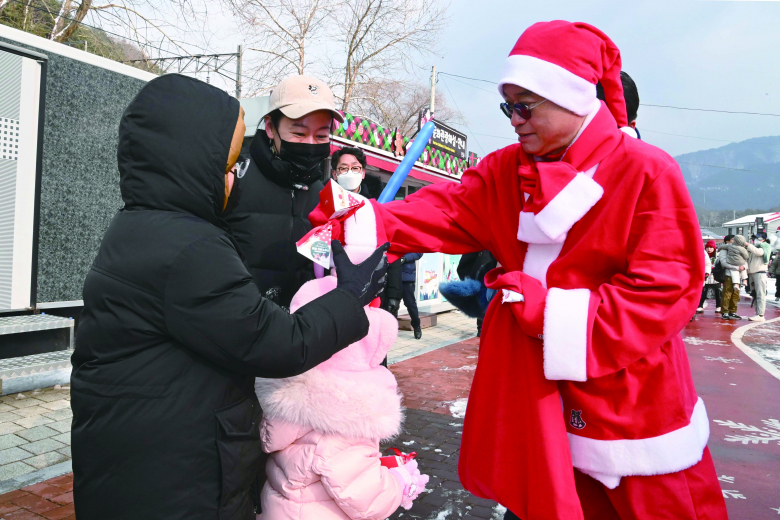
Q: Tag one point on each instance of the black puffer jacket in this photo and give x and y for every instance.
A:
(173, 331)
(272, 215)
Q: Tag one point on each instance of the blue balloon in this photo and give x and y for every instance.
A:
(412, 155)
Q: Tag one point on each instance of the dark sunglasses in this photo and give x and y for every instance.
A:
(523, 110)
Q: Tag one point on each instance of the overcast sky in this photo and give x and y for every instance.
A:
(719, 55)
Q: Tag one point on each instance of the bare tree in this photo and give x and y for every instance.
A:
(281, 32)
(382, 38)
(150, 24)
(397, 104)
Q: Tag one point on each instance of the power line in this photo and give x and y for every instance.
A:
(721, 167)
(466, 77)
(461, 114)
(642, 104)
(473, 86)
(710, 110)
(691, 136)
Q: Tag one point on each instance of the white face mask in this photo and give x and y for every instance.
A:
(350, 181)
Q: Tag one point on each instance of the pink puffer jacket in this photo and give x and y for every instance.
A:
(323, 429)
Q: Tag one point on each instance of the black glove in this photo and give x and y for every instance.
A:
(366, 280)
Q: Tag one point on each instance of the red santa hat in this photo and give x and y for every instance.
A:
(562, 61)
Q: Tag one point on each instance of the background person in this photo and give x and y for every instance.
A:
(730, 295)
(631, 95)
(348, 168)
(174, 332)
(409, 278)
(710, 284)
(282, 186)
(774, 268)
(758, 263)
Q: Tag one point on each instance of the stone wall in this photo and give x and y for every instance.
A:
(80, 181)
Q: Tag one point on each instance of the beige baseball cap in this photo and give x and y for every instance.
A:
(297, 96)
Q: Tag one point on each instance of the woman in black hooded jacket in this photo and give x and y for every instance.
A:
(173, 331)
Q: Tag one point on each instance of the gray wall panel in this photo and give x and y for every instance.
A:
(80, 180)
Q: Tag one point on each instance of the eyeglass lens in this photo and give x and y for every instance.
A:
(354, 169)
(521, 108)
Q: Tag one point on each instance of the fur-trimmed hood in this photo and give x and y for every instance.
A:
(350, 394)
(353, 404)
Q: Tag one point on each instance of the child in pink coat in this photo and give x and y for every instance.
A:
(323, 429)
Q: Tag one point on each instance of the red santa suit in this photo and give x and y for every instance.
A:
(581, 364)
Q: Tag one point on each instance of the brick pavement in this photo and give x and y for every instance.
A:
(34, 431)
(452, 327)
(50, 500)
(436, 383)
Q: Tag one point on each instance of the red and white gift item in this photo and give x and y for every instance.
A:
(335, 201)
(315, 245)
(399, 459)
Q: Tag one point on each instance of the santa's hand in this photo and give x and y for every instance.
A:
(526, 297)
(412, 482)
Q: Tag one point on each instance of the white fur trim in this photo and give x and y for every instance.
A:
(566, 334)
(668, 453)
(529, 232)
(360, 232)
(328, 403)
(538, 259)
(629, 131)
(551, 81)
(569, 206)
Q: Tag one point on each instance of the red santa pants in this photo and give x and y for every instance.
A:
(691, 494)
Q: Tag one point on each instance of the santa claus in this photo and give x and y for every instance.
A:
(582, 405)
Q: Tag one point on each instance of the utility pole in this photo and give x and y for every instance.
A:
(433, 90)
(238, 71)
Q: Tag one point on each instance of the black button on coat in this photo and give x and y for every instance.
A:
(173, 331)
(271, 216)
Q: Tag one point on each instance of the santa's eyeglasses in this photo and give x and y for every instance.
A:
(523, 110)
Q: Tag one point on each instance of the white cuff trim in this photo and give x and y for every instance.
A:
(566, 334)
(569, 206)
(668, 453)
(551, 81)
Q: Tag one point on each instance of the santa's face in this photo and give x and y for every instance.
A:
(550, 129)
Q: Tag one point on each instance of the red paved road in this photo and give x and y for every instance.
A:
(740, 396)
(743, 403)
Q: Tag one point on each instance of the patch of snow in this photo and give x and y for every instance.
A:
(463, 368)
(722, 359)
(442, 514)
(407, 443)
(458, 407)
(498, 512)
(437, 450)
(472, 357)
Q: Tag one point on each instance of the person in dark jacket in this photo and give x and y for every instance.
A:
(174, 332)
(282, 186)
(408, 279)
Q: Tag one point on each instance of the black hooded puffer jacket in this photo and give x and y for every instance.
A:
(272, 215)
(173, 331)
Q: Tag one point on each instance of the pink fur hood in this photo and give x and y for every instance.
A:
(351, 394)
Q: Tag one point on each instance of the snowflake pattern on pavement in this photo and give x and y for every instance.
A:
(693, 340)
(722, 359)
(754, 434)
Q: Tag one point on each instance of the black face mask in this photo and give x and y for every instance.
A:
(304, 159)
